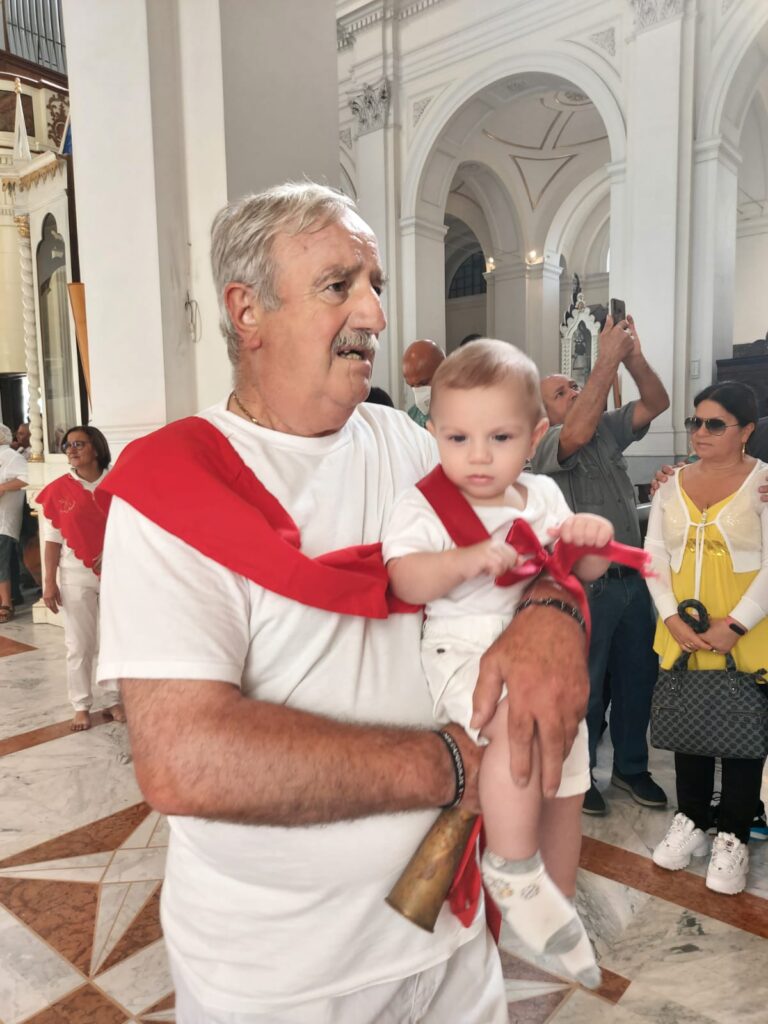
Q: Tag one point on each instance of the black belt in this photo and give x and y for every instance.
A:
(617, 572)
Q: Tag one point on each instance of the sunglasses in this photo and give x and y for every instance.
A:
(713, 425)
(77, 445)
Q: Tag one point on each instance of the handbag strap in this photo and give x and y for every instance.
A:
(681, 664)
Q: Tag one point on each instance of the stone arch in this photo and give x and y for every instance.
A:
(738, 63)
(453, 115)
(574, 212)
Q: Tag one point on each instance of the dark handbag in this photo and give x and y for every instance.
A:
(711, 712)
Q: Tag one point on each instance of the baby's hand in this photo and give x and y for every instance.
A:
(586, 531)
(493, 557)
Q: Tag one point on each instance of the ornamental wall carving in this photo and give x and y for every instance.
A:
(58, 111)
(652, 12)
(371, 107)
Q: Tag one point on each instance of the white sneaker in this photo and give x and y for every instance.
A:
(682, 841)
(729, 864)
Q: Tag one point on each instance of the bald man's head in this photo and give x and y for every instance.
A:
(558, 392)
(420, 360)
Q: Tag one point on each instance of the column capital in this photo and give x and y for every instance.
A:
(424, 228)
(22, 224)
(717, 148)
(510, 268)
(650, 13)
(371, 107)
(543, 270)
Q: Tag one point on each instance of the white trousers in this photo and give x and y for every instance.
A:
(80, 608)
(467, 989)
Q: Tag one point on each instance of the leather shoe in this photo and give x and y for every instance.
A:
(641, 788)
(593, 802)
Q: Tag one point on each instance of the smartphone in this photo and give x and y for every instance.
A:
(618, 310)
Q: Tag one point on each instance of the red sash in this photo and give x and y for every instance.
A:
(188, 479)
(74, 512)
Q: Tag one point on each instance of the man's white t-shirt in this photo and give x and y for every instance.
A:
(71, 569)
(12, 467)
(259, 917)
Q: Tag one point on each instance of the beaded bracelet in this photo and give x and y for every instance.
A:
(553, 602)
(458, 768)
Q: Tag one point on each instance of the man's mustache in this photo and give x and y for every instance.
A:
(363, 341)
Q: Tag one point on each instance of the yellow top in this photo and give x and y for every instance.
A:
(721, 590)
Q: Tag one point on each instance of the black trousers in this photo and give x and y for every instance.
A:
(739, 798)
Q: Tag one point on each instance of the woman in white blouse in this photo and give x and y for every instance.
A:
(708, 537)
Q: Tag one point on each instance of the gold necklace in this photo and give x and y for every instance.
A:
(244, 411)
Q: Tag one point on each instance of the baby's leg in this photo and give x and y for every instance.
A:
(513, 867)
(560, 848)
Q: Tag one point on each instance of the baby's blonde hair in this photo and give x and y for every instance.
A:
(484, 363)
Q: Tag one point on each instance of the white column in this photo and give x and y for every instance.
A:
(713, 262)
(542, 314)
(375, 161)
(109, 79)
(660, 125)
(509, 300)
(422, 283)
(200, 60)
(30, 338)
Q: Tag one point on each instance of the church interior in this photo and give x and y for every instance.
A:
(521, 162)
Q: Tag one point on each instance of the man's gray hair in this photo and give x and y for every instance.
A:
(6, 434)
(243, 235)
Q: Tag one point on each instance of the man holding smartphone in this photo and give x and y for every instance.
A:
(582, 452)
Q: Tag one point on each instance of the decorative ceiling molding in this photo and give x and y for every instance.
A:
(606, 40)
(649, 13)
(532, 167)
(371, 107)
(345, 138)
(520, 145)
(419, 107)
(379, 10)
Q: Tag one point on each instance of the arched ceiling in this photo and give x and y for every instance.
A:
(538, 137)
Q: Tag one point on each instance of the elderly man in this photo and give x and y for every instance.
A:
(283, 726)
(582, 451)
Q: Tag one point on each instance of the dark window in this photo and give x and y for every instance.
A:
(468, 279)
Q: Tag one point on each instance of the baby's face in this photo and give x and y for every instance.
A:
(484, 436)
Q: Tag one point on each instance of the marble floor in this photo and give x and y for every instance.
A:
(82, 856)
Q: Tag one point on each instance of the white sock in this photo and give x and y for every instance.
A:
(580, 963)
(533, 905)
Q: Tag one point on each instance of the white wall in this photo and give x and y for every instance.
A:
(750, 308)
(463, 316)
(280, 92)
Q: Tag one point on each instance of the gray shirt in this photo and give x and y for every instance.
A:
(595, 479)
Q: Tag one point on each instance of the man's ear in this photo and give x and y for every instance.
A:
(431, 428)
(244, 312)
(538, 432)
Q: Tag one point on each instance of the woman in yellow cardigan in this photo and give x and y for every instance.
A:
(708, 537)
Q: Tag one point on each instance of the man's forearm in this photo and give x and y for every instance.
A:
(202, 749)
(583, 417)
(653, 394)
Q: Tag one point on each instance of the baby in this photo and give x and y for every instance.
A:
(487, 417)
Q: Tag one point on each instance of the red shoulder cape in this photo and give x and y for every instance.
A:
(74, 512)
(188, 479)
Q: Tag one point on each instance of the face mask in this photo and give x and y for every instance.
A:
(421, 398)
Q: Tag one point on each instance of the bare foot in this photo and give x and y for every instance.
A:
(81, 721)
(116, 713)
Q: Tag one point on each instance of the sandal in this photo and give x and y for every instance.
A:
(6, 613)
